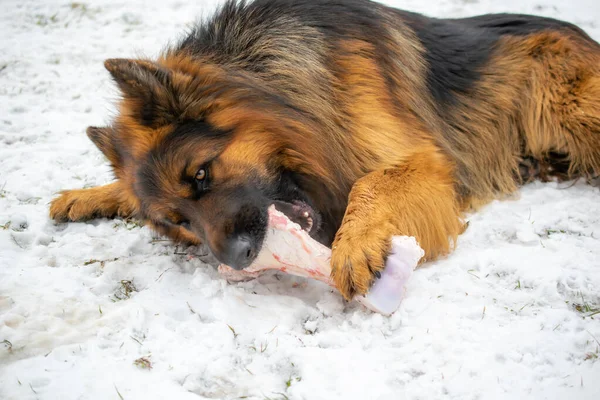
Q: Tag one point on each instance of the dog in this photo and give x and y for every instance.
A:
(357, 120)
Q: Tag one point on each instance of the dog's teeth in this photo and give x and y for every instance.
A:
(309, 223)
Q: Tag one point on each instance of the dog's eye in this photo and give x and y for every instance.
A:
(201, 175)
(201, 179)
(185, 224)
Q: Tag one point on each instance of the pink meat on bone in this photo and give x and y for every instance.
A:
(290, 249)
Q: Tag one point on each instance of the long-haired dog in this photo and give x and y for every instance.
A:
(357, 120)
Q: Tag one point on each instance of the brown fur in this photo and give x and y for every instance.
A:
(415, 198)
(102, 201)
(559, 114)
(378, 154)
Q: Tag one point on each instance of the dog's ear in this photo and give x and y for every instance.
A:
(147, 88)
(104, 139)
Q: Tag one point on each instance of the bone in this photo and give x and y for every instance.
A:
(288, 248)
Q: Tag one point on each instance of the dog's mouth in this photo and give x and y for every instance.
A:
(298, 211)
(301, 213)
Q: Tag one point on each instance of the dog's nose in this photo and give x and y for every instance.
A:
(240, 253)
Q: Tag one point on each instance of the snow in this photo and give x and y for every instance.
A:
(505, 316)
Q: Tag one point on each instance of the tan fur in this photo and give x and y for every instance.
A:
(416, 197)
(103, 201)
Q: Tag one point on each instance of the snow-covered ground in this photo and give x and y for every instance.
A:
(104, 310)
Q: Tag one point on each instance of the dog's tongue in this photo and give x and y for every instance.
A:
(289, 249)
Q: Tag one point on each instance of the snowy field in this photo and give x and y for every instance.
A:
(105, 310)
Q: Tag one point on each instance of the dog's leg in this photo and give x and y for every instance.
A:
(102, 201)
(561, 114)
(414, 198)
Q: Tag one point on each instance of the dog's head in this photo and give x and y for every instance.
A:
(205, 152)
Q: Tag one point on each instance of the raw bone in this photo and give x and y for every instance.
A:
(289, 249)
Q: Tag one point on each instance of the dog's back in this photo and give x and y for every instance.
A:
(492, 90)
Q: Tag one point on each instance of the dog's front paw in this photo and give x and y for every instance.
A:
(72, 205)
(358, 254)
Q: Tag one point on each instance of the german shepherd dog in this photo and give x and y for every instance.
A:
(357, 120)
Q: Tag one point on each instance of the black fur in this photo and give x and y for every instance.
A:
(519, 24)
(147, 182)
(458, 49)
(455, 53)
(192, 130)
